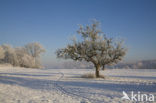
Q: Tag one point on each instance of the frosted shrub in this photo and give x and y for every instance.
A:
(27, 56)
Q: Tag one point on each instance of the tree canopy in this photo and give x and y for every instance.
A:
(94, 47)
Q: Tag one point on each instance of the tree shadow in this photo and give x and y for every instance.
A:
(22, 74)
(137, 77)
(111, 86)
(47, 84)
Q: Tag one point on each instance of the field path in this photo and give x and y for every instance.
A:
(71, 93)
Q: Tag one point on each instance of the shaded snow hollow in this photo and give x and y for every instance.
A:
(23, 85)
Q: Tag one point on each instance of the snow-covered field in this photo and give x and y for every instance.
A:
(23, 85)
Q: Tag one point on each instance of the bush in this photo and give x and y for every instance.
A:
(90, 75)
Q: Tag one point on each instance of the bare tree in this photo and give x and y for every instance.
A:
(35, 50)
(94, 47)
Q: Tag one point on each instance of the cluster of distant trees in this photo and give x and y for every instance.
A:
(27, 56)
(143, 64)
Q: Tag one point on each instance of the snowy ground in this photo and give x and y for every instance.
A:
(21, 85)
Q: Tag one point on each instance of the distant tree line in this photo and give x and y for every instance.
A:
(27, 56)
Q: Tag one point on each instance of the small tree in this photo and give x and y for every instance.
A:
(2, 53)
(25, 60)
(94, 48)
(9, 55)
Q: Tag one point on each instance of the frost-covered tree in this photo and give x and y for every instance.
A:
(9, 55)
(27, 56)
(35, 50)
(1, 53)
(93, 47)
(24, 59)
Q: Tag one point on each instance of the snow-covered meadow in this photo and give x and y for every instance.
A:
(23, 85)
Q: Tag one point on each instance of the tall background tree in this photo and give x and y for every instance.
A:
(94, 47)
(34, 50)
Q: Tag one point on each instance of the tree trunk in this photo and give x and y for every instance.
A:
(103, 67)
(97, 74)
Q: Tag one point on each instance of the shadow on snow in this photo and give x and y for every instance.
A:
(47, 84)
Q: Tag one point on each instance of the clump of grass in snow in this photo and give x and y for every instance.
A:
(90, 75)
